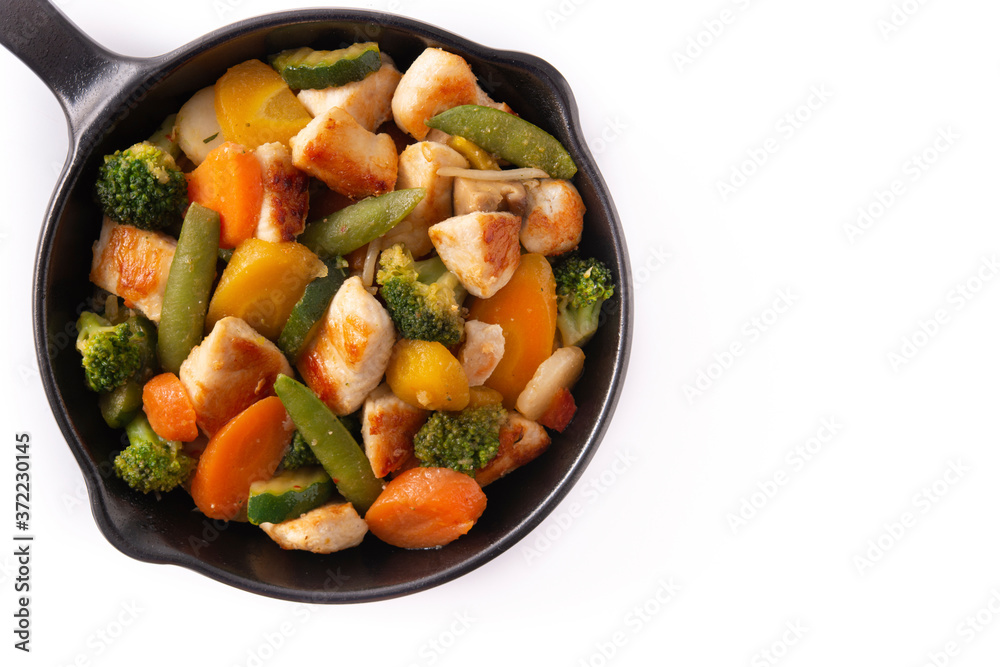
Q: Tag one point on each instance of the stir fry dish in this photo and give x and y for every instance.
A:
(334, 298)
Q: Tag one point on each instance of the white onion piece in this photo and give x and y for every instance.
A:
(371, 257)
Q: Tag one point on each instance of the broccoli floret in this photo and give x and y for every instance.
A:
(299, 454)
(112, 353)
(424, 299)
(464, 441)
(150, 463)
(582, 287)
(142, 186)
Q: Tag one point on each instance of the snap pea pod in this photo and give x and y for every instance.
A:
(189, 286)
(507, 136)
(309, 309)
(338, 452)
(350, 228)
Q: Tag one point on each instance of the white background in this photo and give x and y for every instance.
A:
(874, 551)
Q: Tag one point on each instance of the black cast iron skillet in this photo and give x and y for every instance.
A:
(112, 101)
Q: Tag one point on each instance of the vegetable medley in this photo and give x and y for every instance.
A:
(335, 298)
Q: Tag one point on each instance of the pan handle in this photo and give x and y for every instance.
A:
(84, 76)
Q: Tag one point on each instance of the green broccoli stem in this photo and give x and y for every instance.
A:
(87, 325)
(139, 430)
(433, 271)
(164, 139)
(578, 325)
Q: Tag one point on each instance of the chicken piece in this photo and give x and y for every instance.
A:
(331, 527)
(418, 166)
(473, 194)
(480, 248)
(233, 368)
(388, 425)
(134, 264)
(481, 351)
(368, 100)
(521, 441)
(435, 82)
(348, 355)
(553, 223)
(286, 195)
(334, 148)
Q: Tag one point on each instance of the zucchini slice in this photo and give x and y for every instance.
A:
(309, 310)
(306, 68)
(288, 495)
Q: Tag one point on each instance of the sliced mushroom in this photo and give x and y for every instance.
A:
(470, 195)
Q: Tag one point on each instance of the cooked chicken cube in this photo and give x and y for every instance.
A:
(481, 351)
(388, 425)
(418, 166)
(473, 194)
(480, 248)
(347, 357)
(334, 148)
(326, 529)
(435, 82)
(521, 441)
(233, 368)
(553, 223)
(286, 195)
(134, 264)
(368, 100)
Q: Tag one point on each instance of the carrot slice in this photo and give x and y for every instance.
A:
(247, 449)
(169, 409)
(525, 308)
(230, 183)
(426, 507)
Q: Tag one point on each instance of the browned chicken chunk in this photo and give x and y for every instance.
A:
(334, 148)
(480, 248)
(521, 441)
(134, 264)
(368, 100)
(233, 368)
(435, 82)
(388, 425)
(347, 357)
(286, 195)
(324, 530)
(553, 223)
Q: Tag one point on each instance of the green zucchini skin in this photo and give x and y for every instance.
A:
(307, 68)
(504, 134)
(309, 309)
(288, 495)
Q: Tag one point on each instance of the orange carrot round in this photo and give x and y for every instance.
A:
(247, 449)
(525, 308)
(423, 508)
(229, 182)
(169, 409)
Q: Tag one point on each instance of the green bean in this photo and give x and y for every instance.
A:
(350, 228)
(338, 452)
(189, 286)
(507, 136)
(309, 309)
